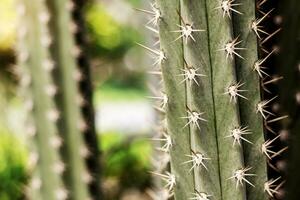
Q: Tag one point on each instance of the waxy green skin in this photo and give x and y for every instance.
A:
(222, 115)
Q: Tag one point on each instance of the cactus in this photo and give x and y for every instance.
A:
(34, 59)
(49, 53)
(212, 57)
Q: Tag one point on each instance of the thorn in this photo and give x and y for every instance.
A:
(273, 80)
(265, 147)
(255, 26)
(186, 31)
(227, 7)
(279, 152)
(168, 142)
(240, 176)
(190, 74)
(163, 98)
(258, 66)
(160, 56)
(230, 48)
(200, 196)
(261, 107)
(155, 72)
(197, 159)
(168, 178)
(277, 119)
(270, 36)
(234, 92)
(270, 187)
(155, 14)
(193, 118)
(237, 135)
(152, 29)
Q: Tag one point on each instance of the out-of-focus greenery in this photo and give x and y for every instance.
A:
(8, 25)
(126, 158)
(13, 170)
(108, 93)
(107, 37)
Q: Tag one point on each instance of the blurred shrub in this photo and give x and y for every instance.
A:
(127, 159)
(107, 37)
(13, 173)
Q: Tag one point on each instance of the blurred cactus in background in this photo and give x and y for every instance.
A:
(223, 130)
(48, 57)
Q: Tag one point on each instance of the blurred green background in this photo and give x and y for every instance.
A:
(119, 80)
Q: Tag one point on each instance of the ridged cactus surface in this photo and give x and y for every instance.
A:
(49, 54)
(34, 60)
(212, 57)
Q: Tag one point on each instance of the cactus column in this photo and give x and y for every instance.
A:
(243, 28)
(222, 129)
(34, 61)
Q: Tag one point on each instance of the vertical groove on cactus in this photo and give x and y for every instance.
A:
(247, 75)
(33, 55)
(197, 73)
(62, 48)
(172, 64)
(227, 92)
(87, 109)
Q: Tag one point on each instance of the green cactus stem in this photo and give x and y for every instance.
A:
(71, 123)
(34, 59)
(172, 64)
(87, 109)
(250, 78)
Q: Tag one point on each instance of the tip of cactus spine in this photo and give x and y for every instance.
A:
(227, 6)
(231, 48)
(241, 175)
(197, 159)
(200, 196)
